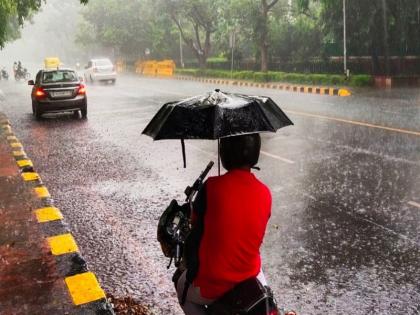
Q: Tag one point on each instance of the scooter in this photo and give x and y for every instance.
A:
(249, 297)
(22, 74)
(4, 75)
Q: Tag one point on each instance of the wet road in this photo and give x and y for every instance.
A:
(344, 235)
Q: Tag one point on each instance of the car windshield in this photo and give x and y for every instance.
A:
(59, 76)
(103, 62)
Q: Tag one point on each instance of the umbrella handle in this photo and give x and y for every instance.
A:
(183, 153)
(218, 155)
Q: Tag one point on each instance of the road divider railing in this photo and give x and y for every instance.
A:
(82, 285)
(320, 90)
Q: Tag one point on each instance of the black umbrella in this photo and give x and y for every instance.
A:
(216, 115)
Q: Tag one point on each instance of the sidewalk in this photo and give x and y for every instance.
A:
(41, 269)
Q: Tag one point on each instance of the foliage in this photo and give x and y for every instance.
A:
(374, 28)
(128, 27)
(13, 14)
(197, 21)
(274, 76)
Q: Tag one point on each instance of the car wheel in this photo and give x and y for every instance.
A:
(84, 112)
(76, 114)
(33, 107)
(38, 113)
(113, 81)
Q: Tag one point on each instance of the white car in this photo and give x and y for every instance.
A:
(100, 70)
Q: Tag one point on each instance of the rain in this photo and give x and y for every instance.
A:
(339, 122)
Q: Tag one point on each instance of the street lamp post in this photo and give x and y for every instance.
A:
(345, 38)
(232, 46)
(180, 47)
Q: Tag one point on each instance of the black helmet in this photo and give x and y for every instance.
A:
(240, 151)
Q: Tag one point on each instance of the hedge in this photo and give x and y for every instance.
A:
(273, 76)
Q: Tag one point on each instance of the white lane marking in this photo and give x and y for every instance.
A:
(358, 217)
(363, 151)
(262, 152)
(124, 110)
(354, 122)
(162, 91)
(414, 204)
(323, 103)
(405, 237)
(277, 157)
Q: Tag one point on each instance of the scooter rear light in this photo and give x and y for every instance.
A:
(40, 93)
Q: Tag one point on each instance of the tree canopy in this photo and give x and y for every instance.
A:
(14, 13)
(267, 31)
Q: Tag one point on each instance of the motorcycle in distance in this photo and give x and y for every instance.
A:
(22, 74)
(3, 74)
(249, 297)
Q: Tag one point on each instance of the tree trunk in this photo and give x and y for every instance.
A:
(202, 61)
(263, 36)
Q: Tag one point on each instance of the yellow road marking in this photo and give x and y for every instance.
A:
(24, 163)
(42, 192)
(62, 244)
(48, 214)
(414, 204)
(277, 157)
(19, 153)
(11, 138)
(84, 288)
(359, 123)
(29, 176)
(16, 145)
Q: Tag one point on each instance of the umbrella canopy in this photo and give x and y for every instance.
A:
(216, 115)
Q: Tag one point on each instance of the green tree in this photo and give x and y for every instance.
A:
(255, 18)
(13, 14)
(376, 28)
(197, 21)
(127, 27)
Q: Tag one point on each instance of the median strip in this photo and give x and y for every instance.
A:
(329, 91)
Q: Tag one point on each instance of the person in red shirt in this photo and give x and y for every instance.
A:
(230, 215)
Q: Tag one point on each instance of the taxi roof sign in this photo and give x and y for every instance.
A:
(52, 62)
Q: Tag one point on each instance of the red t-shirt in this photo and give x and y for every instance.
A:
(238, 207)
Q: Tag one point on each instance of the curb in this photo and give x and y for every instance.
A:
(277, 86)
(82, 285)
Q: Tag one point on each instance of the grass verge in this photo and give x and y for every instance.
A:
(274, 76)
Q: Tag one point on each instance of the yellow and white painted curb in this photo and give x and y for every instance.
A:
(320, 90)
(83, 287)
